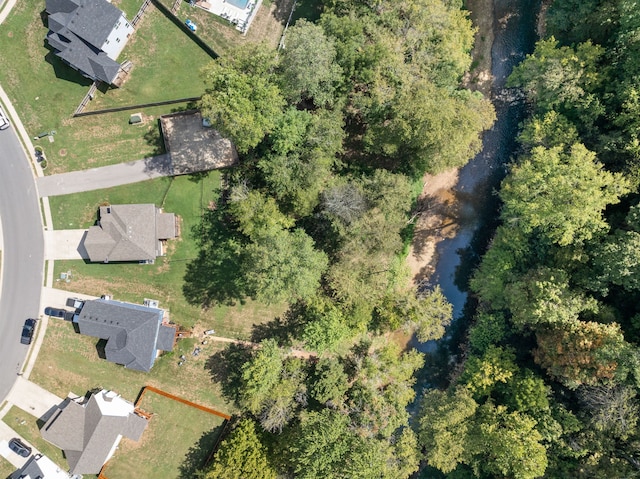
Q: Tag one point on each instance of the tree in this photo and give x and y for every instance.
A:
(561, 195)
(488, 330)
(444, 422)
(241, 456)
(243, 104)
(331, 382)
(581, 352)
(617, 261)
(481, 375)
(284, 266)
(548, 130)
(261, 375)
(506, 444)
(426, 314)
(563, 79)
(322, 446)
(308, 68)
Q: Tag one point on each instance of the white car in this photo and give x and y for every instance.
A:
(4, 121)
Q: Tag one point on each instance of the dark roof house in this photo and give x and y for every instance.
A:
(129, 233)
(89, 431)
(39, 467)
(88, 35)
(134, 333)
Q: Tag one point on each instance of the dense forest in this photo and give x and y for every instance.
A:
(549, 384)
(335, 132)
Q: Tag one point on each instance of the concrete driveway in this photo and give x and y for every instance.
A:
(64, 244)
(33, 399)
(6, 434)
(104, 177)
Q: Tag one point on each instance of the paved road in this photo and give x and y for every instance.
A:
(23, 255)
(104, 177)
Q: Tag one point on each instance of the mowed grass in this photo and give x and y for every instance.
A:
(187, 196)
(45, 91)
(176, 443)
(27, 426)
(6, 468)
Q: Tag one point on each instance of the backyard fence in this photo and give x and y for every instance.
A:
(135, 107)
(141, 11)
(87, 98)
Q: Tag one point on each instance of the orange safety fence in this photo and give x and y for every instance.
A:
(180, 400)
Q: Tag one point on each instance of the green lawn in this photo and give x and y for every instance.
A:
(187, 197)
(6, 468)
(45, 92)
(175, 444)
(27, 426)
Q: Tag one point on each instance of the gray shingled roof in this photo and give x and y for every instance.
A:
(87, 432)
(129, 233)
(78, 30)
(134, 333)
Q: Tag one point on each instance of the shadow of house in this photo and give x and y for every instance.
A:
(88, 35)
(134, 334)
(89, 430)
(129, 233)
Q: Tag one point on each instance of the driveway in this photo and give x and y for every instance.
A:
(64, 244)
(6, 434)
(33, 399)
(105, 177)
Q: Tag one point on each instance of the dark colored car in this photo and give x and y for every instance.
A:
(27, 331)
(19, 447)
(55, 312)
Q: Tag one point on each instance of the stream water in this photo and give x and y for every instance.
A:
(514, 28)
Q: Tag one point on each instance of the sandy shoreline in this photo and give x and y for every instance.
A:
(436, 211)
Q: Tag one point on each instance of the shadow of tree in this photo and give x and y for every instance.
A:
(197, 455)
(285, 330)
(225, 368)
(215, 276)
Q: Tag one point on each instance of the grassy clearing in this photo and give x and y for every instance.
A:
(46, 92)
(27, 426)
(186, 196)
(168, 455)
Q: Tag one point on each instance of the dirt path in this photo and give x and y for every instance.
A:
(437, 208)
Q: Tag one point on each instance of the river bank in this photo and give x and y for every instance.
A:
(437, 210)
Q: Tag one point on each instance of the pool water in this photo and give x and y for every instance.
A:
(241, 4)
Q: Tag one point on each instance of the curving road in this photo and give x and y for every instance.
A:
(22, 255)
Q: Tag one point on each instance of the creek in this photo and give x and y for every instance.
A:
(514, 27)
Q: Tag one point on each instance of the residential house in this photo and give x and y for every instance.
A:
(88, 35)
(135, 334)
(129, 233)
(89, 430)
(40, 467)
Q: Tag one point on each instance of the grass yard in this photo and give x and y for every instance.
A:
(27, 426)
(186, 196)
(176, 443)
(6, 468)
(46, 92)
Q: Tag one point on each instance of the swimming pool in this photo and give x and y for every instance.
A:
(241, 4)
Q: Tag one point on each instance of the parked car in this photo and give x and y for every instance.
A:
(55, 312)
(19, 447)
(27, 331)
(4, 121)
(190, 25)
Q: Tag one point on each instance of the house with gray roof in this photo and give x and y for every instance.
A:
(88, 430)
(135, 334)
(40, 467)
(129, 233)
(88, 35)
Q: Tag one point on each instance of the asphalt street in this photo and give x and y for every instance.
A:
(22, 255)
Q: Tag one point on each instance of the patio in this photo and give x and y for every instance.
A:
(237, 12)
